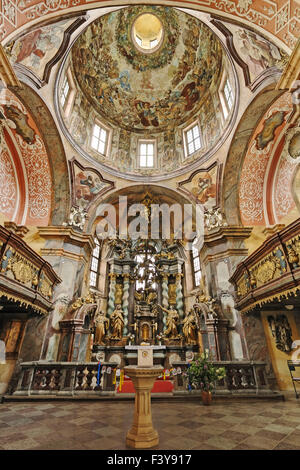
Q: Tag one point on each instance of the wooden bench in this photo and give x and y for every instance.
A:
(292, 368)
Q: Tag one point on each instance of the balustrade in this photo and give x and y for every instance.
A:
(63, 378)
(73, 378)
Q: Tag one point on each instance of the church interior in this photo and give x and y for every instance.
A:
(114, 116)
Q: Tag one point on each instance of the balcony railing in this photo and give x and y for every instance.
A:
(270, 273)
(25, 276)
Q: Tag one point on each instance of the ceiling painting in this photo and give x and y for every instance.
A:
(122, 83)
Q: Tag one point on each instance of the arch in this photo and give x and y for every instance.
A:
(29, 158)
(238, 149)
(60, 194)
(260, 192)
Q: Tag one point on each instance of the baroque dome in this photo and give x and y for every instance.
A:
(151, 91)
(139, 91)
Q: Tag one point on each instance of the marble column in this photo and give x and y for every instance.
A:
(112, 293)
(179, 297)
(125, 301)
(165, 298)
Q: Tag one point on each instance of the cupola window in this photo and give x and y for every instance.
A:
(192, 139)
(147, 150)
(100, 137)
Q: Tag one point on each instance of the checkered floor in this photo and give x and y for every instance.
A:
(67, 425)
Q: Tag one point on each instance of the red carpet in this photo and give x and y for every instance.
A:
(160, 386)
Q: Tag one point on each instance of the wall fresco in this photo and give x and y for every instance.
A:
(36, 48)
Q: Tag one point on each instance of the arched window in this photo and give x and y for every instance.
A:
(95, 264)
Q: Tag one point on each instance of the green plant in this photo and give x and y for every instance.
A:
(202, 374)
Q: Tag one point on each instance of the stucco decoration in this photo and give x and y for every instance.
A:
(277, 18)
(28, 155)
(253, 190)
(121, 82)
(60, 191)
(8, 185)
(283, 202)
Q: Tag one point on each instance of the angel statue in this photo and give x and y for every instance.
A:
(172, 320)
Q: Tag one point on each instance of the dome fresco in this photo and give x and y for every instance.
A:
(139, 91)
(143, 90)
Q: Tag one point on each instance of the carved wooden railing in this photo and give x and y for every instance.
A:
(24, 275)
(271, 272)
(241, 377)
(63, 378)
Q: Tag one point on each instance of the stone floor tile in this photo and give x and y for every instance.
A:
(258, 442)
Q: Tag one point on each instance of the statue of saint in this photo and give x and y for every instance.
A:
(189, 327)
(101, 322)
(172, 320)
(101, 327)
(117, 322)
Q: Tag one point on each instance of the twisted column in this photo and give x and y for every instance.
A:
(165, 298)
(179, 297)
(112, 293)
(125, 301)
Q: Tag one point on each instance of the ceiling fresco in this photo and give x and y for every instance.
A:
(147, 92)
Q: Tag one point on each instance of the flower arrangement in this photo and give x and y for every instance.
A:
(202, 374)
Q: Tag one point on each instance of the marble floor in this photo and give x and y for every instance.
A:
(98, 425)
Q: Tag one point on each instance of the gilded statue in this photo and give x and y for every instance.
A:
(117, 322)
(189, 327)
(101, 326)
(101, 322)
(172, 320)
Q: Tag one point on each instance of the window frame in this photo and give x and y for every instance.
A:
(224, 102)
(193, 258)
(70, 97)
(107, 144)
(185, 139)
(97, 258)
(140, 143)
